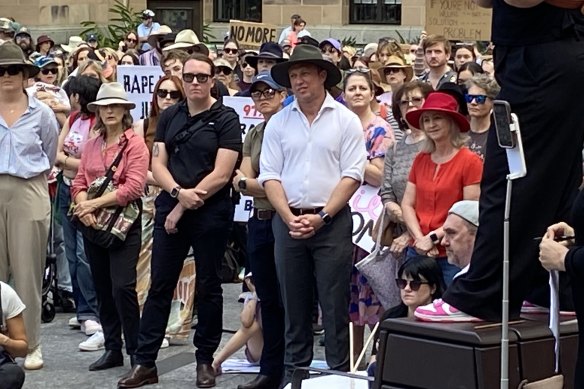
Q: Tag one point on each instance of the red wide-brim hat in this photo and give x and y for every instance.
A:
(439, 102)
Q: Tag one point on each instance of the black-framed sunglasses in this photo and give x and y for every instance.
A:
(245, 64)
(12, 70)
(223, 70)
(174, 94)
(415, 101)
(330, 50)
(388, 71)
(231, 51)
(414, 284)
(201, 77)
(49, 70)
(266, 94)
(480, 99)
(131, 40)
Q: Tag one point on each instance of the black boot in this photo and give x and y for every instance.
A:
(262, 382)
(108, 360)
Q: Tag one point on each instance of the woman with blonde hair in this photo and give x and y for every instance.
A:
(444, 172)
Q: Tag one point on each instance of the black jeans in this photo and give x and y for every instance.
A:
(114, 276)
(11, 376)
(206, 230)
(260, 246)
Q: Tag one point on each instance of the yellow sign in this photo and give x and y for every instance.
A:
(458, 20)
(251, 35)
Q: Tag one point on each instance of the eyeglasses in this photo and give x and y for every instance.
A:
(414, 284)
(22, 38)
(415, 101)
(49, 70)
(12, 70)
(359, 69)
(201, 77)
(245, 64)
(163, 93)
(266, 94)
(480, 99)
(330, 50)
(230, 51)
(131, 40)
(223, 70)
(387, 71)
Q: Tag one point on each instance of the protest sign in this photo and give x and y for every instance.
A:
(251, 35)
(366, 207)
(249, 117)
(139, 82)
(458, 20)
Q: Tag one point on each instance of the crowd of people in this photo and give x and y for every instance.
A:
(134, 197)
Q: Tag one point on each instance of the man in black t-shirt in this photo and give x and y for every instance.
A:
(196, 147)
(539, 64)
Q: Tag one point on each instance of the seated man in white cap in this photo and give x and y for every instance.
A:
(147, 27)
(460, 229)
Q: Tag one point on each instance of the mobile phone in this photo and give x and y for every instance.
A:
(502, 116)
(509, 137)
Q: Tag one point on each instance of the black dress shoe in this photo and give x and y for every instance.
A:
(108, 360)
(205, 375)
(262, 382)
(139, 376)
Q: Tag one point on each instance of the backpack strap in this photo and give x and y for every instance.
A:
(73, 116)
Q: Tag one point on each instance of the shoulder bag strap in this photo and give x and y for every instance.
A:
(112, 169)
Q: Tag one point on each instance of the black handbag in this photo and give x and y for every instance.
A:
(5, 357)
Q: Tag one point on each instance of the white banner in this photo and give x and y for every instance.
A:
(366, 207)
(249, 117)
(139, 82)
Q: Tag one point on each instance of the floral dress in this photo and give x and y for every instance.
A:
(364, 307)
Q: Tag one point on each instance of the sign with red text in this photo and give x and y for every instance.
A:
(139, 83)
(366, 207)
(458, 20)
(249, 117)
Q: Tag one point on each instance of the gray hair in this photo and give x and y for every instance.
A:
(485, 82)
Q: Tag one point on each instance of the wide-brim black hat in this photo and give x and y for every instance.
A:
(310, 55)
(269, 50)
(11, 54)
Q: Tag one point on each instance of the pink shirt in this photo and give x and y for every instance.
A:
(130, 176)
(78, 134)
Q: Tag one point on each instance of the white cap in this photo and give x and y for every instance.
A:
(468, 210)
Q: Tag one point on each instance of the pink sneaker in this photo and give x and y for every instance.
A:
(440, 311)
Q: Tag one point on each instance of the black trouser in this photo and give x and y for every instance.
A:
(543, 84)
(114, 276)
(206, 230)
(11, 376)
(260, 245)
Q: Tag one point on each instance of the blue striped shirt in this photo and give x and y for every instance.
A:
(29, 147)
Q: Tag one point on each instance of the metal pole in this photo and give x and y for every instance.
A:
(505, 304)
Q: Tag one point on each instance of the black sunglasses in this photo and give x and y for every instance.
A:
(50, 70)
(480, 99)
(414, 284)
(230, 51)
(174, 94)
(245, 64)
(330, 50)
(266, 93)
(388, 71)
(223, 69)
(201, 77)
(12, 70)
(131, 40)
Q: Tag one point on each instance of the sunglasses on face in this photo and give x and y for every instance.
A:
(49, 70)
(163, 93)
(201, 77)
(245, 64)
(131, 40)
(388, 71)
(415, 101)
(266, 94)
(12, 70)
(480, 99)
(230, 51)
(223, 70)
(414, 284)
(330, 50)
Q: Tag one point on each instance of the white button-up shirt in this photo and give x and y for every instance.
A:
(311, 159)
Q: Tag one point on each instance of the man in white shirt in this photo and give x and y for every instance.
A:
(147, 27)
(289, 29)
(460, 230)
(313, 159)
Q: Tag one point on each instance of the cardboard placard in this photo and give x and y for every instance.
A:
(139, 83)
(366, 207)
(458, 20)
(251, 35)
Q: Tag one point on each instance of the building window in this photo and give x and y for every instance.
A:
(247, 10)
(375, 11)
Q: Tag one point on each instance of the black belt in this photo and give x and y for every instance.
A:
(263, 214)
(305, 211)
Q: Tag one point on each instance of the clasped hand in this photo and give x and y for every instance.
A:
(552, 254)
(425, 246)
(190, 198)
(304, 226)
(84, 211)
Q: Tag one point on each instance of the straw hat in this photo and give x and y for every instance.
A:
(184, 39)
(439, 102)
(396, 62)
(111, 93)
(74, 42)
(222, 62)
(311, 55)
(11, 54)
(159, 34)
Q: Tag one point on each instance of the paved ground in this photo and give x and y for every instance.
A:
(66, 367)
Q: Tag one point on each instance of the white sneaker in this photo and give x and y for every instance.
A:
(95, 343)
(165, 343)
(34, 359)
(74, 323)
(91, 327)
